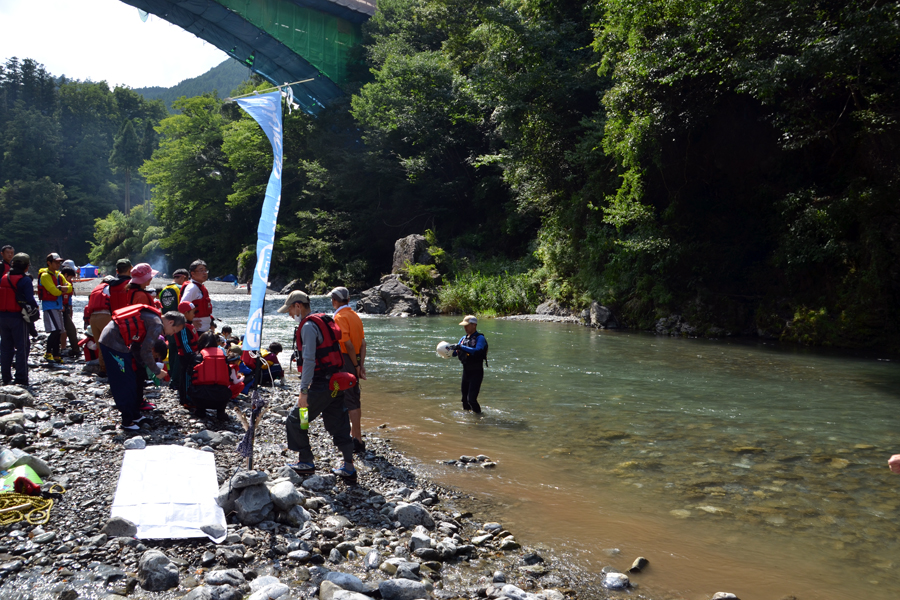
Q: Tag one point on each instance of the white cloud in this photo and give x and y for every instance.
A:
(102, 40)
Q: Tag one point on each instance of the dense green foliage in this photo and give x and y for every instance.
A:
(223, 78)
(728, 160)
(56, 138)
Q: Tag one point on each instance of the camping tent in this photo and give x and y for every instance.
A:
(88, 270)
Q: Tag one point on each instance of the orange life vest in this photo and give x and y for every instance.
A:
(8, 302)
(131, 325)
(202, 304)
(213, 370)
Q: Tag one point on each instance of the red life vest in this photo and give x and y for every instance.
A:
(139, 297)
(213, 370)
(202, 304)
(130, 324)
(43, 294)
(329, 359)
(97, 301)
(8, 302)
(119, 296)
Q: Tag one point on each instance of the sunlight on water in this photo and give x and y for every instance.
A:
(732, 466)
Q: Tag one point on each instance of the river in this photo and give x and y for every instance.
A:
(735, 466)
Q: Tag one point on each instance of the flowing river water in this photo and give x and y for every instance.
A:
(746, 467)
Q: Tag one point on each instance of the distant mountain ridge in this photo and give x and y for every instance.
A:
(224, 78)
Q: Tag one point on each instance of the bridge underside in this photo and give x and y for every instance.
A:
(281, 40)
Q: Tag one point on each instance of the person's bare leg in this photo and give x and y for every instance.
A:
(355, 427)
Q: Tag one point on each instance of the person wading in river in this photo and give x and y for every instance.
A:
(472, 351)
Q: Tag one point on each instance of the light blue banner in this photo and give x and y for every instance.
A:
(266, 109)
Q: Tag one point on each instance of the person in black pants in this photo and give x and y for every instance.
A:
(472, 353)
(16, 293)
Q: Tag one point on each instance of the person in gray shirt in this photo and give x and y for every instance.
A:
(314, 393)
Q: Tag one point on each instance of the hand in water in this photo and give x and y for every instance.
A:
(894, 463)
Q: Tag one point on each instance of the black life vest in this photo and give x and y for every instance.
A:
(472, 358)
(8, 300)
(329, 359)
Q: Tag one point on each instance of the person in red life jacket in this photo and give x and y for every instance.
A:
(183, 359)
(317, 342)
(7, 252)
(236, 385)
(195, 292)
(210, 380)
(117, 287)
(71, 331)
(16, 293)
(96, 317)
(89, 347)
(127, 345)
(51, 287)
(270, 369)
(137, 293)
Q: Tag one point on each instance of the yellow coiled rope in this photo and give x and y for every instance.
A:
(18, 507)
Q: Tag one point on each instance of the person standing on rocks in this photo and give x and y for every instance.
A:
(71, 331)
(353, 348)
(117, 287)
(51, 288)
(16, 293)
(472, 351)
(126, 340)
(195, 292)
(7, 252)
(186, 347)
(319, 349)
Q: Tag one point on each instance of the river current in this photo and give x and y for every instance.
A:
(735, 466)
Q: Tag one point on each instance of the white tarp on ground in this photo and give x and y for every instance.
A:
(169, 492)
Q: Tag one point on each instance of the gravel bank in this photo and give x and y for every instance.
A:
(352, 545)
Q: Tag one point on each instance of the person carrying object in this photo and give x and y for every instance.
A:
(471, 349)
(127, 346)
(317, 338)
(17, 310)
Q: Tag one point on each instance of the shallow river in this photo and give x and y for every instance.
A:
(742, 467)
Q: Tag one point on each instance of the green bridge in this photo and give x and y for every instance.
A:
(281, 40)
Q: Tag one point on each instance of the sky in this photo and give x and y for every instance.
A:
(102, 40)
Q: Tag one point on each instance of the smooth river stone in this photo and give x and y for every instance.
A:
(680, 513)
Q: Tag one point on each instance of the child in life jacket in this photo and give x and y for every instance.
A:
(161, 353)
(233, 356)
(89, 347)
(186, 344)
(270, 367)
(209, 384)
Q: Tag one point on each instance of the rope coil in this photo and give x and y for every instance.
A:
(18, 507)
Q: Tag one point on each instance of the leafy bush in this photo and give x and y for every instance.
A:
(490, 295)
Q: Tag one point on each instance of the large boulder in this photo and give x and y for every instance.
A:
(412, 249)
(602, 317)
(389, 297)
(552, 308)
(254, 505)
(156, 572)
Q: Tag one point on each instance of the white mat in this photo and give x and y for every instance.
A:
(169, 492)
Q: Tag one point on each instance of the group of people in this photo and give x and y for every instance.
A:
(133, 333)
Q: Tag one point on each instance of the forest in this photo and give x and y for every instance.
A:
(730, 161)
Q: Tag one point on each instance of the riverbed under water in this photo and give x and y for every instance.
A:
(752, 468)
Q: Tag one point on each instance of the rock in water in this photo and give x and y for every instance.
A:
(119, 527)
(724, 596)
(156, 572)
(412, 249)
(402, 589)
(639, 564)
(615, 581)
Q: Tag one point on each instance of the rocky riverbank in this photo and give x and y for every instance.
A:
(391, 534)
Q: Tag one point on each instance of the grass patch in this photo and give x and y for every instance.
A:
(473, 292)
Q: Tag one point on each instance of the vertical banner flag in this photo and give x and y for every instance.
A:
(266, 109)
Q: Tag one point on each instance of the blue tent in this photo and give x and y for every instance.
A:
(88, 270)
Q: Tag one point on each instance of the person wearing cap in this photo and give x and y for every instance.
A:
(314, 393)
(16, 293)
(128, 341)
(471, 349)
(51, 287)
(117, 286)
(7, 252)
(184, 358)
(195, 292)
(141, 275)
(170, 296)
(353, 347)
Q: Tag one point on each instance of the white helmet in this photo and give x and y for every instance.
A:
(443, 350)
